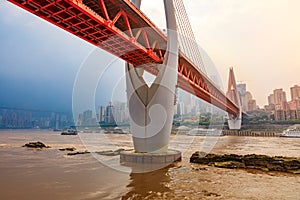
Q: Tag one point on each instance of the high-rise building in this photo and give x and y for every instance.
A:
(250, 102)
(271, 99)
(119, 112)
(248, 97)
(280, 115)
(101, 113)
(284, 105)
(80, 119)
(182, 108)
(241, 88)
(279, 96)
(178, 108)
(57, 121)
(109, 117)
(87, 115)
(252, 105)
(270, 108)
(294, 104)
(175, 109)
(295, 92)
(98, 113)
(284, 110)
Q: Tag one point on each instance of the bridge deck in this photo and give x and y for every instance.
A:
(118, 27)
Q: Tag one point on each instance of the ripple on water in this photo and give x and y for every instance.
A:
(50, 172)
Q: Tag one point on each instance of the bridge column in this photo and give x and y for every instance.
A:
(151, 109)
(234, 122)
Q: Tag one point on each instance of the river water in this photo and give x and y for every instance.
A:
(52, 174)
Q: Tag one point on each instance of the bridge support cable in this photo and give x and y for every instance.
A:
(187, 41)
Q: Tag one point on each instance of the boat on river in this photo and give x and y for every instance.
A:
(293, 132)
(204, 132)
(69, 131)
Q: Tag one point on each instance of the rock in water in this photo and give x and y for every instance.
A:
(68, 149)
(251, 161)
(78, 152)
(37, 144)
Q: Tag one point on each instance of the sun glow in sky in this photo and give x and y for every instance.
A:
(260, 39)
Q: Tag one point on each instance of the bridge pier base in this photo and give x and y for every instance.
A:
(165, 158)
(146, 162)
(235, 123)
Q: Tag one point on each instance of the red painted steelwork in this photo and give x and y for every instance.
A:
(120, 28)
(114, 35)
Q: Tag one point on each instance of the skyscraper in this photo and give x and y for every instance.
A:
(252, 105)
(279, 96)
(248, 97)
(79, 120)
(101, 113)
(271, 99)
(119, 112)
(295, 92)
(87, 115)
(98, 114)
(241, 88)
(250, 102)
(109, 117)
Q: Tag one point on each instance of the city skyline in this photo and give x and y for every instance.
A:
(279, 105)
(291, 94)
(18, 118)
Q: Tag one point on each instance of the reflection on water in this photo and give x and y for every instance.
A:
(148, 185)
(51, 174)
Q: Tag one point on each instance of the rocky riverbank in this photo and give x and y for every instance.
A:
(250, 161)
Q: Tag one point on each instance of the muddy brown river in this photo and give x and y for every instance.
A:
(52, 174)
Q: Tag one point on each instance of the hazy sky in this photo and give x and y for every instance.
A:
(260, 39)
(39, 62)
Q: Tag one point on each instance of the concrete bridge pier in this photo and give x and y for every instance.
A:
(234, 122)
(151, 108)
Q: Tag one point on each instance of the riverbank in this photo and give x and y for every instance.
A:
(251, 133)
(249, 161)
